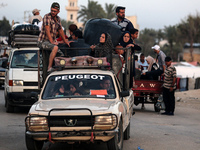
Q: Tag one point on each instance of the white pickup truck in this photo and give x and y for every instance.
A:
(80, 105)
(88, 99)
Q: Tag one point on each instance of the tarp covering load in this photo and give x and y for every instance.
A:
(24, 35)
(95, 27)
(77, 48)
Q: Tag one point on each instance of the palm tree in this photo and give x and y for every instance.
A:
(4, 27)
(171, 36)
(110, 11)
(66, 24)
(147, 39)
(160, 35)
(190, 29)
(93, 10)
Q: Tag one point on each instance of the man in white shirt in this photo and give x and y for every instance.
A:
(36, 18)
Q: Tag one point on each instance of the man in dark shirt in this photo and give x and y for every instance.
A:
(124, 23)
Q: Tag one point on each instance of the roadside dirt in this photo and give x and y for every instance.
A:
(189, 98)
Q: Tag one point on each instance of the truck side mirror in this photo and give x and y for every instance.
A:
(124, 93)
(4, 64)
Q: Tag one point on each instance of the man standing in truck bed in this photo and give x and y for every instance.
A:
(50, 27)
(124, 23)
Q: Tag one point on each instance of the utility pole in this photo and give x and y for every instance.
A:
(25, 17)
(3, 5)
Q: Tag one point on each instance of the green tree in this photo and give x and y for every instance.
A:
(190, 30)
(110, 11)
(4, 27)
(160, 35)
(147, 39)
(93, 10)
(66, 24)
(171, 36)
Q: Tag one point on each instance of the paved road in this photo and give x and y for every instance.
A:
(149, 130)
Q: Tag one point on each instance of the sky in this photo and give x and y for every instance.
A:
(155, 14)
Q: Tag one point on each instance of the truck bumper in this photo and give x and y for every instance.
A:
(21, 99)
(72, 136)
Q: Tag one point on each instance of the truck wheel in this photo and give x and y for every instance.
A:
(5, 98)
(116, 143)
(32, 144)
(156, 108)
(136, 100)
(9, 108)
(127, 132)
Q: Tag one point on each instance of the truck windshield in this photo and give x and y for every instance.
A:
(25, 59)
(79, 86)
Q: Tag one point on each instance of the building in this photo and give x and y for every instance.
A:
(186, 55)
(72, 12)
(133, 19)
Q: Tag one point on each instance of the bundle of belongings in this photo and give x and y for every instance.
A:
(23, 35)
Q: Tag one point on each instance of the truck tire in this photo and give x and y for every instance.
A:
(156, 108)
(9, 108)
(116, 143)
(32, 144)
(5, 97)
(127, 132)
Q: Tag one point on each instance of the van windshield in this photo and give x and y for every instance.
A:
(25, 59)
(79, 86)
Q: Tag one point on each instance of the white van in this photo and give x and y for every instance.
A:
(21, 77)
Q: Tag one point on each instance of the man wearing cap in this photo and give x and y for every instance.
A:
(160, 59)
(169, 87)
(50, 27)
(124, 23)
(36, 17)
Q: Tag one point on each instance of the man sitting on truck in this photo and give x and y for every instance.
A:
(36, 18)
(47, 38)
(160, 59)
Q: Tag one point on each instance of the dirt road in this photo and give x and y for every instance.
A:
(153, 131)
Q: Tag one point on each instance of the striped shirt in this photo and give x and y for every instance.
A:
(54, 27)
(170, 74)
(125, 24)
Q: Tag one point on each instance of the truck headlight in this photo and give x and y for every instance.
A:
(2, 73)
(18, 83)
(62, 62)
(105, 122)
(36, 123)
(99, 62)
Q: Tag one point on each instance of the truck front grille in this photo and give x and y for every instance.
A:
(71, 121)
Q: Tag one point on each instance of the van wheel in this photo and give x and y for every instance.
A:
(32, 144)
(5, 97)
(116, 143)
(9, 108)
(127, 132)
